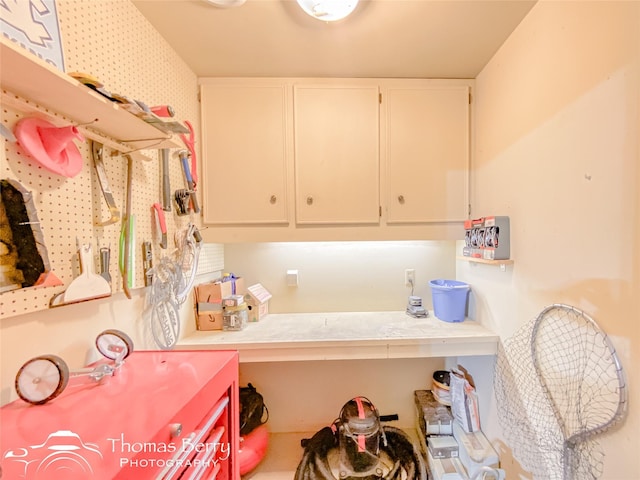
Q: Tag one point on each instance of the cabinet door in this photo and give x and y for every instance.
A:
(336, 154)
(427, 153)
(245, 153)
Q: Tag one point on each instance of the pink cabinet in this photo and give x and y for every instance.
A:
(164, 415)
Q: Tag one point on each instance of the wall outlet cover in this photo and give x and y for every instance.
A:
(292, 278)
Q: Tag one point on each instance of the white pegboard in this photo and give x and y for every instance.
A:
(211, 258)
(112, 41)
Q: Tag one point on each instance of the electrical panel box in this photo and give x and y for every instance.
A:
(487, 238)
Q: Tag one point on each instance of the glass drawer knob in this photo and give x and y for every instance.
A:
(175, 430)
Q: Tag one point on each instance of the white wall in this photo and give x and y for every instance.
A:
(306, 396)
(557, 149)
(342, 276)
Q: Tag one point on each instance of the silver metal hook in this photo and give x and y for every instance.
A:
(85, 124)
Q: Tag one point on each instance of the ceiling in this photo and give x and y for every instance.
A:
(382, 38)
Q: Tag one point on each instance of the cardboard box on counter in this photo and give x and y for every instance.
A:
(209, 317)
(218, 289)
(208, 301)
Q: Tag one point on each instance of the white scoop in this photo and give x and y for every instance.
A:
(86, 286)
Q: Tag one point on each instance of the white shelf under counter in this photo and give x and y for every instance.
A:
(347, 336)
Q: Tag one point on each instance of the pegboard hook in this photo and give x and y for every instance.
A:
(85, 124)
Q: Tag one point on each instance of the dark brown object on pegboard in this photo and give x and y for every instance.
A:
(23, 240)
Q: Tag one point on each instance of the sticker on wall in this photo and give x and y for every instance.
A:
(33, 24)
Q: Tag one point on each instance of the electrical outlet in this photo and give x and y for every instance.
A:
(409, 277)
(292, 278)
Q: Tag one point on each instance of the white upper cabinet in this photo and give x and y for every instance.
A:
(336, 154)
(310, 159)
(426, 151)
(245, 152)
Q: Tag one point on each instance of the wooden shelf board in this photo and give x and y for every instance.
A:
(507, 261)
(24, 75)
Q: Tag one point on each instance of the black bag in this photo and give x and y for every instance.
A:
(252, 409)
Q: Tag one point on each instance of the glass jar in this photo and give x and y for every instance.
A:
(235, 317)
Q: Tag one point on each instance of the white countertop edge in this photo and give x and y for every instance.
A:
(347, 335)
(200, 338)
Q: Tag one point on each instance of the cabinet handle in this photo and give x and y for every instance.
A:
(175, 464)
(273, 199)
(401, 199)
(309, 200)
(175, 430)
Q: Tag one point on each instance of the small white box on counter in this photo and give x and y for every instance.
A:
(233, 300)
(475, 451)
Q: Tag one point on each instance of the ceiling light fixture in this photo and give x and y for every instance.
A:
(328, 10)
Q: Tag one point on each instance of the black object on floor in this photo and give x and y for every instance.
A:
(361, 444)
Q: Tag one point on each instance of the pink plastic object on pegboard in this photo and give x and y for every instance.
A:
(51, 146)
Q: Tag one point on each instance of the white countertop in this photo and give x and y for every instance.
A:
(347, 335)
